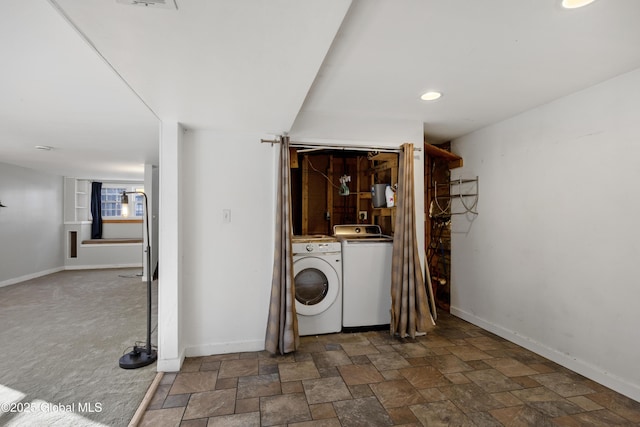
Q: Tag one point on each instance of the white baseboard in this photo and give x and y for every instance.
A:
(224, 348)
(100, 266)
(170, 365)
(30, 276)
(582, 367)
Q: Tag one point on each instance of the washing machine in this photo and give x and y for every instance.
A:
(317, 268)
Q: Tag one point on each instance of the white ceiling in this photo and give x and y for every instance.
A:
(315, 68)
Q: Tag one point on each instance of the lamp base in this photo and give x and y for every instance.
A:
(137, 359)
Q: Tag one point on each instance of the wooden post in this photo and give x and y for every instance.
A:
(330, 194)
(305, 195)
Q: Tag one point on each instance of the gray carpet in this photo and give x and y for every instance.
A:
(61, 336)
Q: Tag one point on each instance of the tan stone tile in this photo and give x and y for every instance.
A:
(506, 398)
(432, 394)
(470, 398)
(417, 361)
(191, 364)
(526, 382)
(298, 371)
(439, 351)
(541, 368)
(443, 413)
(385, 348)
(176, 401)
(483, 419)
(562, 384)
(168, 378)
(360, 374)
(402, 415)
(250, 419)
(468, 352)
(224, 383)
(284, 409)
(424, 377)
(310, 346)
(510, 367)
(393, 374)
(201, 422)
(211, 404)
(477, 365)
(238, 368)
(258, 385)
(449, 363)
(492, 381)
(360, 390)
(432, 341)
(353, 412)
(537, 394)
(325, 390)
(585, 403)
(359, 348)
(396, 393)
(485, 343)
(292, 387)
(521, 416)
(388, 361)
(220, 357)
(249, 355)
(321, 411)
(194, 382)
(210, 366)
(619, 404)
(159, 396)
(162, 418)
(330, 359)
(266, 369)
(247, 405)
(329, 422)
(408, 350)
(331, 371)
(457, 378)
(602, 417)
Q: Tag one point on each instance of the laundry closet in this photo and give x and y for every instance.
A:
(343, 217)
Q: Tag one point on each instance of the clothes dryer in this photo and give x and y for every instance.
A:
(366, 272)
(317, 269)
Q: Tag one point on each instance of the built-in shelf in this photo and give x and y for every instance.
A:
(76, 200)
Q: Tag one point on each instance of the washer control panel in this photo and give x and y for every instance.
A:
(316, 247)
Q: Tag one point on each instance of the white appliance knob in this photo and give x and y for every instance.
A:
(309, 248)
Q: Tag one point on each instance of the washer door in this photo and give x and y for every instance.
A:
(317, 285)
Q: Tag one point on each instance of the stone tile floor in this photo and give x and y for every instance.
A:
(458, 375)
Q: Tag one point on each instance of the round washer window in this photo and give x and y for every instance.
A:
(311, 286)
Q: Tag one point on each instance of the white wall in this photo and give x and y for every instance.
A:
(552, 260)
(30, 225)
(226, 266)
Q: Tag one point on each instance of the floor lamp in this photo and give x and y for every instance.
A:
(139, 357)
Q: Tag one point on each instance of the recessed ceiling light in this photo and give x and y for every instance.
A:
(430, 96)
(574, 4)
(44, 147)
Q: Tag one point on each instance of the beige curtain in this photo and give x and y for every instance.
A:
(282, 327)
(410, 313)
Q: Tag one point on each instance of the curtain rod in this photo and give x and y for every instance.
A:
(298, 144)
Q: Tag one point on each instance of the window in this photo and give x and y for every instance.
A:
(111, 198)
